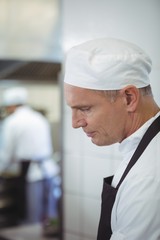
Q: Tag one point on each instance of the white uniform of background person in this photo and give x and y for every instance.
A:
(26, 135)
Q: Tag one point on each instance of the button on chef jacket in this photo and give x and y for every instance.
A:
(136, 211)
(26, 135)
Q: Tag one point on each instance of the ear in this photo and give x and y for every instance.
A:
(131, 96)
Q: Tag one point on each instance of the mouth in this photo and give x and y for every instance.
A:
(90, 134)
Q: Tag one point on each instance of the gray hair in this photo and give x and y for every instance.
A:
(113, 94)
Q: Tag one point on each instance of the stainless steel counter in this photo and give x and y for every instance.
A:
(24, 232)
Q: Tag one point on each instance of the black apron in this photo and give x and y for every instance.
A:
(109, 192)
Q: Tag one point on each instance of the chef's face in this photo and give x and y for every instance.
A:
(10, 109)
(102, 120)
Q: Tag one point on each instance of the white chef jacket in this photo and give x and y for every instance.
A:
(136, 211)
(26, 135)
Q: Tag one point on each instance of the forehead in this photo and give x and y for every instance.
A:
(76, 95)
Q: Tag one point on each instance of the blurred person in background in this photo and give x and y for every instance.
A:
(27, 141)
(108, 89)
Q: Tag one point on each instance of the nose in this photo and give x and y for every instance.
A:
(78, 120)
(78, 124)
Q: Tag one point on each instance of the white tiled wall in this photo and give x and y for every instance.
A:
(85, 164)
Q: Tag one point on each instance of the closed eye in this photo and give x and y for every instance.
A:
(85, 109)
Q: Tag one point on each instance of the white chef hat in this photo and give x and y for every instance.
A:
(14, 96)
(107, 64)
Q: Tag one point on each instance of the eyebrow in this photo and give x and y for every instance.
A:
(80, 106)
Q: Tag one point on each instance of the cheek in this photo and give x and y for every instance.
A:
(118, 123)
(108, 118)
(112, 121)
(99, 122)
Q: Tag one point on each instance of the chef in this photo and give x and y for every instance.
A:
(107, 87)
(26, 141)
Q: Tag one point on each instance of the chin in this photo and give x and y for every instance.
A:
(98, 143)
(101, 144)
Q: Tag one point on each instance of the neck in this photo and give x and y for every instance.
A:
(143, 113)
